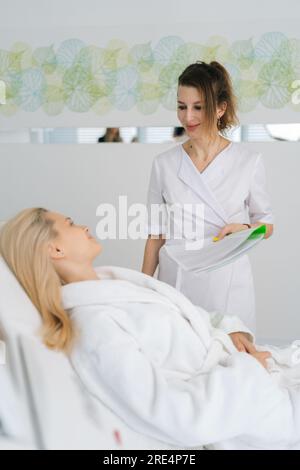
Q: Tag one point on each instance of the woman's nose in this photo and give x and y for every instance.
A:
(189, 115)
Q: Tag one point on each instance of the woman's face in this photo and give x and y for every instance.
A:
(113, 131)
(74, 242)
(191, 111)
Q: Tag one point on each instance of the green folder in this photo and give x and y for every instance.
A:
(258, 232)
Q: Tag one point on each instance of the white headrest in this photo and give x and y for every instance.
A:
(17, 313)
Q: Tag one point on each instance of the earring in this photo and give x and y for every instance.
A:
(219, 122)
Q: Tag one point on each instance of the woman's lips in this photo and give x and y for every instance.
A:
(191, 128)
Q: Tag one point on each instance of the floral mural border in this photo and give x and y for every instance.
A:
(82, 78)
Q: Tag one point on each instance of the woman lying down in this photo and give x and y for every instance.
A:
(167, 368)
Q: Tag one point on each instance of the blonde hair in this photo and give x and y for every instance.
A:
(24, 247)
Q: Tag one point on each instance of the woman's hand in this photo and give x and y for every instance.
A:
(262, 357)
(243, 344)
(230, 228)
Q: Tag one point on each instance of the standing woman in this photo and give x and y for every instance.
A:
(226, 177)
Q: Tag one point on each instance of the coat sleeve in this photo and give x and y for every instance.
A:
(258, 199)
(228, 401)
(156, 205)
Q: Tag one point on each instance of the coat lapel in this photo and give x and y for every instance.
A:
(189, 174)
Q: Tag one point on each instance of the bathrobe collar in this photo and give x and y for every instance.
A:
(94, 292)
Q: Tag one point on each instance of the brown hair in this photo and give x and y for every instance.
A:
(24, 247)
(214, 82)
(108, 136)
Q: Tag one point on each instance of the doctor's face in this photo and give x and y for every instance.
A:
(74, 242)
(191, 110)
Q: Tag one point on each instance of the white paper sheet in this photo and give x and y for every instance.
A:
(215, 254)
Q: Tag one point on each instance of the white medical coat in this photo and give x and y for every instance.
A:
(232, 189)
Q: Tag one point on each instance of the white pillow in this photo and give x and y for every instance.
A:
(17, 313)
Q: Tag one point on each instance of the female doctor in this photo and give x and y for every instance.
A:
(225, 178)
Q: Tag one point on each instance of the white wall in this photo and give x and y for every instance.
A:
(75, 179)
(67, 13)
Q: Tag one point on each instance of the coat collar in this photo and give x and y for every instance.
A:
(189, 174)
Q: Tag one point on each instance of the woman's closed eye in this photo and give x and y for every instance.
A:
(198, 108)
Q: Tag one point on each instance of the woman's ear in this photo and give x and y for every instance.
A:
(55, 252)
(221, 109)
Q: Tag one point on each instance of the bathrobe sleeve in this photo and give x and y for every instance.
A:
(258, 199)
(156, 205)
(228, 401)
(226, 323)
(229, 324)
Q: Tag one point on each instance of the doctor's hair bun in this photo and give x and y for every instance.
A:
(214, 83)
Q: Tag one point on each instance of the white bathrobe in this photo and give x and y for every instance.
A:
(170, 370)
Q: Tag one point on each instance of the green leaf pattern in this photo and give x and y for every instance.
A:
(81, 77)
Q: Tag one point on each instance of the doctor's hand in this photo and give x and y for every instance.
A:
(230, 228)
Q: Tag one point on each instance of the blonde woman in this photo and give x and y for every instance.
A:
(166, 367)
(225, 178)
